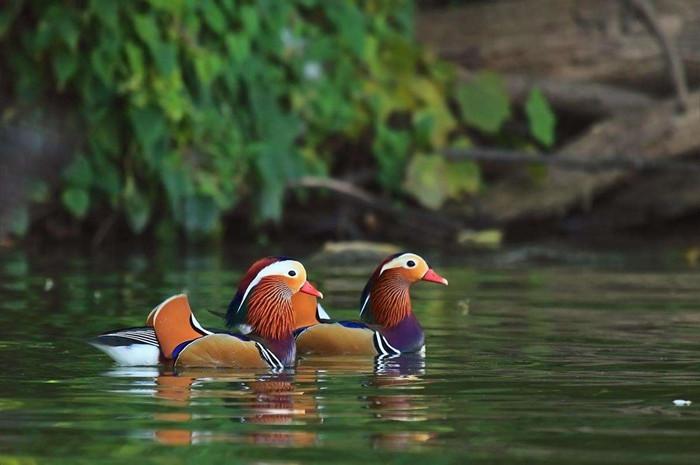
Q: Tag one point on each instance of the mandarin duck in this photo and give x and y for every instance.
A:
(262, 305)
(388, 327)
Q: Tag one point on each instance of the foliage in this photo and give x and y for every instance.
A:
(484, 102)
(191, 107)
(540, 117)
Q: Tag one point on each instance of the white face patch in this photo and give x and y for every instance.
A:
(287, 268)
(407, 260)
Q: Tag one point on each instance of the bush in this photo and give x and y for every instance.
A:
(191, 106)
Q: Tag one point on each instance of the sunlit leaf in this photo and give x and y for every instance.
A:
(484, 102)
(425, 180)
(462, 177)
(431, 179)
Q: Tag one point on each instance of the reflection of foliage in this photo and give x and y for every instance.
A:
(197, 105)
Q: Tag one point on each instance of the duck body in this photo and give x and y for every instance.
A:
(388, 327)
(263, 304)
(359, 338)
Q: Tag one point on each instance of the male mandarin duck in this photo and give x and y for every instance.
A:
(388, 325)
(263, 305)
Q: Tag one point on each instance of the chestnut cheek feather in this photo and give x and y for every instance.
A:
(290, 282)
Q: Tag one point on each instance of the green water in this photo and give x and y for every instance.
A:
(551, 359)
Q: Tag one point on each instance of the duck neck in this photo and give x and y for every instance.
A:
(390, 300)
(271, 316)
(285, 349)
(406, 336)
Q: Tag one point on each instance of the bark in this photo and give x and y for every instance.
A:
(652, 198)
(591, 40)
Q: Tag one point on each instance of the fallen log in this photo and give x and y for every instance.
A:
(658, 133)
(404, 222)
(647, 199)
(592, 40)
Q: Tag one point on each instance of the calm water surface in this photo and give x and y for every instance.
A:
(532, 358)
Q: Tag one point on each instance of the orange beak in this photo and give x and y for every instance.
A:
(307, 288)
(433, 277)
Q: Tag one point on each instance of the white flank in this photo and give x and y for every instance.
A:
(131, 355)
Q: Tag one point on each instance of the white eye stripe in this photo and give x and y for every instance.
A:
(275, 269)
(401, 261)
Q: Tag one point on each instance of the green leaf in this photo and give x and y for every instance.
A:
(250, 20)
(425, 180)
(79, 173)
(541, 118)
(201, 214)
(65, 65)
(432, 180)
(106, 12)
(137, 207)
(213, 16)
(484, 102)
(76, 200)
(390, 149)
(8, 14)
(134, 57)
(171, 96)
(462, 177)
(165, 56)
(147, 29)
(238, 47)
(274, 175)
(19, 221)
(350, 22)
(208, 66)
(177, 187)
(39, 191)
(102, 62)
(150, 127)
(65, 24)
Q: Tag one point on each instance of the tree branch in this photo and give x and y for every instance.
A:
(571, 162)
(669, 49)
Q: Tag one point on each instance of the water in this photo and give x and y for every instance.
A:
(532, 358)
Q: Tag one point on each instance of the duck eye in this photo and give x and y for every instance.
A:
(410, 263)
(292, 273)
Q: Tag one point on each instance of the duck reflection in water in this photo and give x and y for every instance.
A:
(266, 399)
(397, 394)
(401, 383)
(262, 401)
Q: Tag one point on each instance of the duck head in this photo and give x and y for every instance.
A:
(385, 299)
(263, 303)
